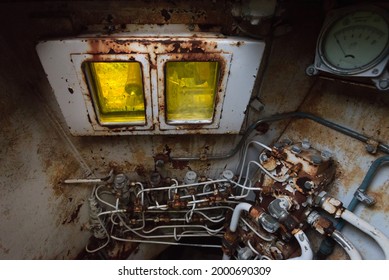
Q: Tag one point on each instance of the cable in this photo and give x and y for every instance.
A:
(279, 117)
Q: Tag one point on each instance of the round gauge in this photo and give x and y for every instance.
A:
(355, 41)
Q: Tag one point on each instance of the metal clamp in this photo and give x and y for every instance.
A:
(364, 198)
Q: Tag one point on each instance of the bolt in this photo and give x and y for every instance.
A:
(263, 158)
(119, 181)
(287, 141)
(311, 71)
(228, 174)
(308, 185)
(190, 177)
(159, 163)
(278, 145)
(326, 155)
(383, 84)
(316, 159)
(370, 149)
(296, 149)
(305, 144)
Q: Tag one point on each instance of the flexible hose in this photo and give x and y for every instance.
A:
(364, 185)
(244, 206)
(346, 245)
(306, 249)
(370, 230)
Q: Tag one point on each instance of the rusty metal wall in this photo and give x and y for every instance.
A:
(42, 218)
(364, 110)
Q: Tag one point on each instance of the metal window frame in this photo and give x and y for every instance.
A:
(224, 60)
(62, 60)
(91, 110)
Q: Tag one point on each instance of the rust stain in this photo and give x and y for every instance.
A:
(166, 14)
(59, 165)
(180, 164)
(141, 170)
(74, 215)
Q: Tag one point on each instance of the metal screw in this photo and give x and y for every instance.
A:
(316, 159)
(383, 84)
(228, 174)
(370, 148)
(326, 155)
(263, 158)
(296, 149)
(305, 144)
(119, 181)
(287, 141)
(308, 185)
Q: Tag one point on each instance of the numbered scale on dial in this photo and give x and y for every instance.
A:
(354, 42)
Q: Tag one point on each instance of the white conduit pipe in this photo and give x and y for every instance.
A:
(370, 230)
(346, 245)
(244, 206)
(306, 250)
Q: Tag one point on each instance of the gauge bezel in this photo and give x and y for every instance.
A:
(359, 71)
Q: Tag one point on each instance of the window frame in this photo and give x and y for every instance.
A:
(224, 60)
(92, 110)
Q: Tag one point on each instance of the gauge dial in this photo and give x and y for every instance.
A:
(355, 42)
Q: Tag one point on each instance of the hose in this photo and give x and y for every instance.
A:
(279, 117)
(346, 245)
(327, 246)
(244, 206)
(306, 249)
(370, 230)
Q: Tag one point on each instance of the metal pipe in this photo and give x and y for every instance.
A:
(306, 249)
(346, 245)
(279, 117)
(364, 185)
(244, 206)
(165, 242)
(370, 230)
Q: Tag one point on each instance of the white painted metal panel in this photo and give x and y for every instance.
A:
(62, 60)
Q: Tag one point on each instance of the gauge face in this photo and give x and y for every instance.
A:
(355, 42)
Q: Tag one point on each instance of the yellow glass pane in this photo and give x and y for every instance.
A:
(190, 91)
(117, 92)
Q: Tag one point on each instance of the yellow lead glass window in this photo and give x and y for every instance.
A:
(190, 91)
(118, 92)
